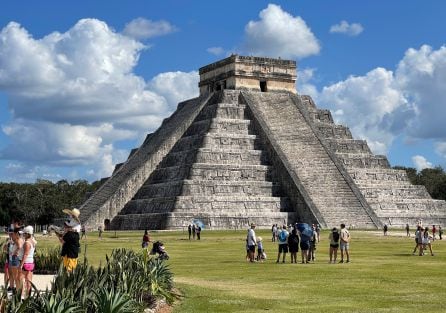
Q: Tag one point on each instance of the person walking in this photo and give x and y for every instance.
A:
(434, 232)
(312, 250)
(283, 243)
(27, 263)
(251, 242)
(189, 230)
(407, 230)
(15, 257)
(427, 241)
(273, 232)
(198, 230)
(293, 245)
(83, 232)
(100, 232)
(345, 244)
(194, 231)
(334, 244)
(440, 232)
(385, 228)
(145, 239)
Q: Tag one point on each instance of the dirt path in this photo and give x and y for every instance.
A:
(41, 281)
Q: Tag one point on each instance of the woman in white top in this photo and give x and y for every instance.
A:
(27, 263)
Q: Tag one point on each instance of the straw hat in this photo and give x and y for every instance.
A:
(28, 230)
(259, 238)
(73, 213)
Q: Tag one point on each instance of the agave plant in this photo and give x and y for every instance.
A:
(111, 301)
(54, 303)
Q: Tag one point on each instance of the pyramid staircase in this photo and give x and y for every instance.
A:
(217, 172)
(388, 191)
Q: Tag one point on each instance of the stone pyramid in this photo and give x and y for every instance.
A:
(250, 149)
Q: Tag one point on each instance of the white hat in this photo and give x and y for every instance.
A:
(28, 230)
(73, 213)
(71, 222)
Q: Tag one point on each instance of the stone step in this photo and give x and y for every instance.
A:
(363, 160)
(377, 175)
(426, 207)
(219, 156)
(394, 192)
(348, 146)
(223, 110)
(206, 187)
(230, 172)
(321, 115)
(216, 204)
(329, 130)
(180, 220)
(219, 140)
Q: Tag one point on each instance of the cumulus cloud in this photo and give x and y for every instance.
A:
(73, 95)
(216, 50)
(279, 34)
(141, 28)
(353, 29)
(421, 163)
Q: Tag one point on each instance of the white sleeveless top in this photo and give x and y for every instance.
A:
(30, 257)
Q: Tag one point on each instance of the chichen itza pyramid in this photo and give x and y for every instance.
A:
(251, 149)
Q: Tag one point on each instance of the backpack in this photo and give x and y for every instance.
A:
(335, 236)
(283, 236)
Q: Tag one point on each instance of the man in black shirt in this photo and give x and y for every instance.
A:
(70, 245)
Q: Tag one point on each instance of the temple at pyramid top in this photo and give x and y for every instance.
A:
(248, 72)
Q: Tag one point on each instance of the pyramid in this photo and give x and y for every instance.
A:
(250, 149)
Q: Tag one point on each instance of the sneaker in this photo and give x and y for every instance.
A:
(342, 261)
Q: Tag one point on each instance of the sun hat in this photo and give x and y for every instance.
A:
(259, 238)
(73, 213)
(28, 230)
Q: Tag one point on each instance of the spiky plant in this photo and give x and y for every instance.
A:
(111, 301)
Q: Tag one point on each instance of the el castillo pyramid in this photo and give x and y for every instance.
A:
(251, 149)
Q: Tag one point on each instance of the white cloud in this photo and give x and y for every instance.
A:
(353, 29)
(304, 84)
(279, 34)
(141, 28)
(365, 104)
(73, 95)
(216, 50)
(421, 163)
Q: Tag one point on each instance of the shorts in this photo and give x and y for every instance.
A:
(344, 246)
(252, 248)
(283, 248)
(14, 261)
(304, 245)
(28, 267)
(69, 263)
(335, 246)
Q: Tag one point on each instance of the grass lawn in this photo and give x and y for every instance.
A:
(213, 275)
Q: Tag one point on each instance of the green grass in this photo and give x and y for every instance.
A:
(213, 276)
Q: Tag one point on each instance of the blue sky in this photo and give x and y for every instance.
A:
(83, 82)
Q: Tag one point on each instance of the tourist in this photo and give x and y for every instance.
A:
(74, 214)
(198, 231)
(427, 241)
(440, 232)
(15, 257)
(100, 232)
(312, 249)
(273, 232)
(304, 245)
(70, 245)
(434, 232)
(385, 228)
(318, 232)
(345, 244)
(293, 245)
(27, 263)
(9, 282)
(334, 244)
(417, 236)
(260, 250)
(251, 242)
(407, 230)
(193, 231)
(419, 239)
(283, 243)
(83, 232)
(189, 230)
(145, 239)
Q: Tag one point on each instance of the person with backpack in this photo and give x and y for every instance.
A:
(334, 244)
(345, 244)
(283, 243)
(293, 245)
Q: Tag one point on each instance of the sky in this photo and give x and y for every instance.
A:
(83, 82)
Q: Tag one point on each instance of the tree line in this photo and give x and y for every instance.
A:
(41, 202)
